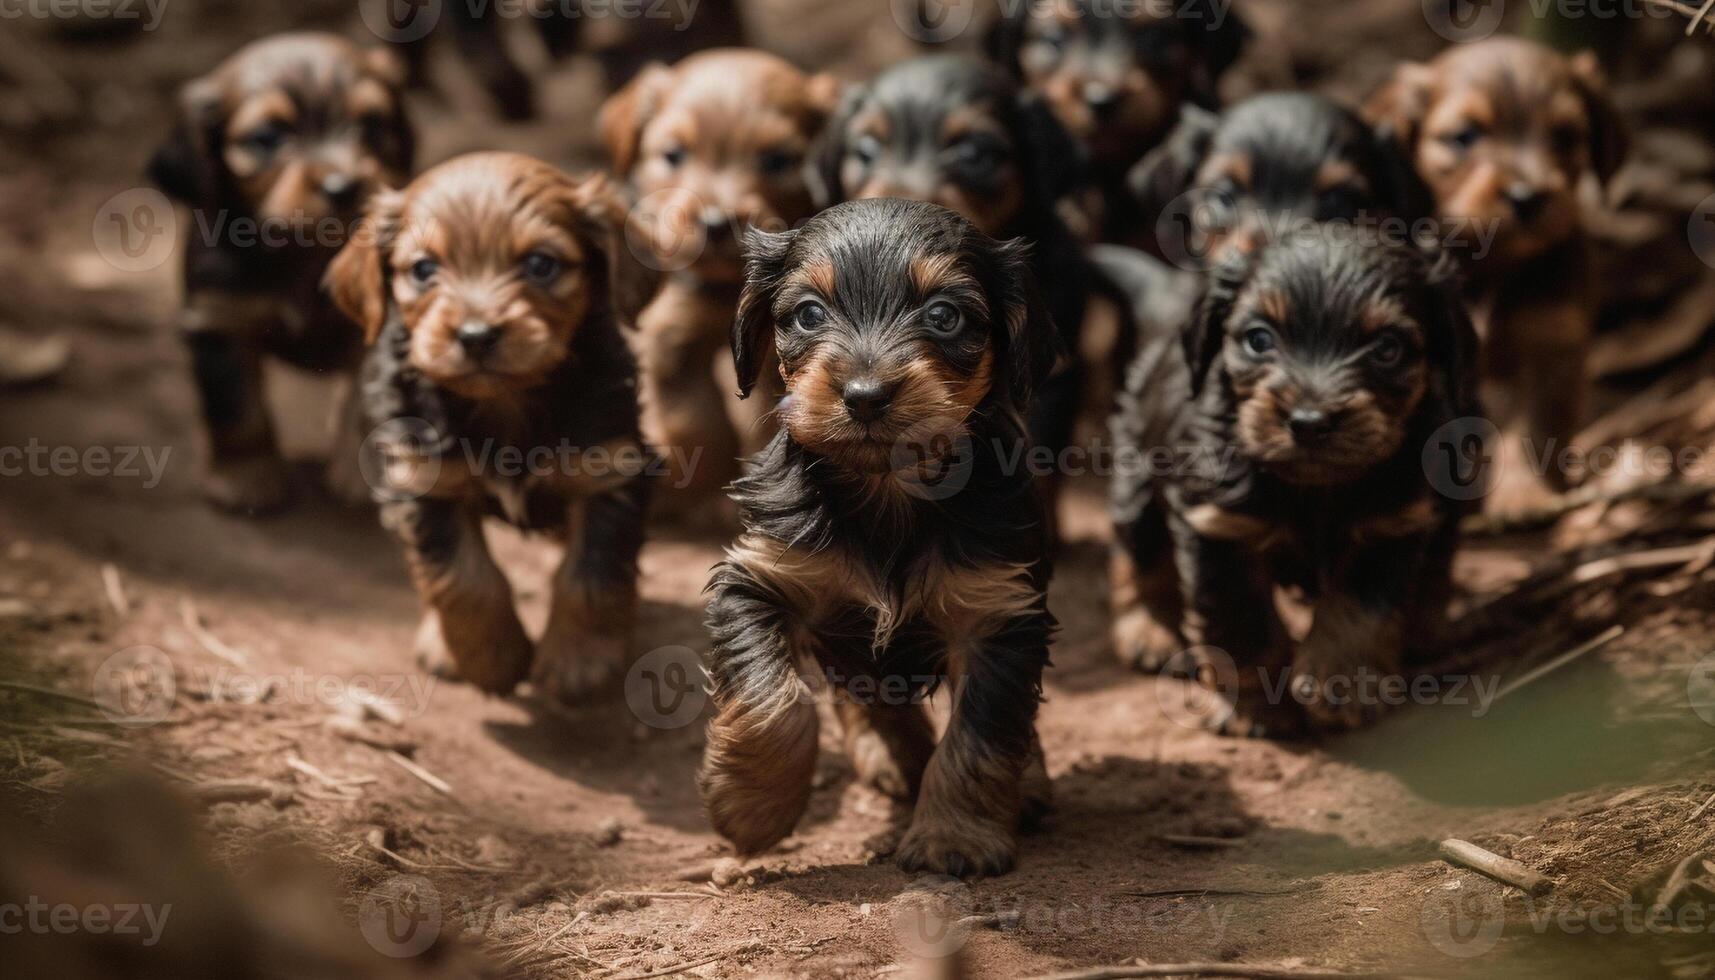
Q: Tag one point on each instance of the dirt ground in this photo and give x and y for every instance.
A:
(570, 843)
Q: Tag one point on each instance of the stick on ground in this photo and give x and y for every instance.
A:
(1262, 970)
(1501, 869)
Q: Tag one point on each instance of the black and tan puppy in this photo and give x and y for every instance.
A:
(1504, 132)
(960, 133)
(886, 539)
(275, 152)
(1295, 420)
(1266, 165)
(1117, 76)
(709, 147)
(492, 291)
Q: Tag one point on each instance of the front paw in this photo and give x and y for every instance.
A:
(493, 652)
(1339, 684)
(1141, 642)
(957, 846)
(250, 485)
(573, 666)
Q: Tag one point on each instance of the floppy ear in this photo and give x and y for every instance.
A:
(1608, 140)
(829, 155)
(753, 327)
(1218, 35)
(1398, 107)
(627, 111)
(1032, 342)
(1400, 188)
(356, 279)
(1203, 333)
(631, 282)
(186, 165)
(1056, 159)
(1167, 171)
(386, 65)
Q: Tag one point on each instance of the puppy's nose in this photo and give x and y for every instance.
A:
(477, 338)
(1309, 426)
(866, 398)
(1101, 97)
(340, 190)
(1526, 201)
(715, 222)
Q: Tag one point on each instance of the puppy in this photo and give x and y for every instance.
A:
(1295, 419)
(1504, 132)
(1272, 161)
(491, 292)
(1117, 78)
(960, 133)
(710, 146)
(885, 538)
(275, 152)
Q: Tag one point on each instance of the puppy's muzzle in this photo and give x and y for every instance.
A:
(1310, 427)
(1527, 201)
(478, 339)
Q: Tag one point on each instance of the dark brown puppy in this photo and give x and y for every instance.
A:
(1504, 131)
(887, 540)
(1117, 76)
(1285, 445)
(709, 147)
(275, 152)
(492, 290)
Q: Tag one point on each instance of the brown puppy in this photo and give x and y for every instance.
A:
(491, 291)
(1504, 132)
(710, 146)
(275, 151)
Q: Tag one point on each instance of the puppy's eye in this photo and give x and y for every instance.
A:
(943, 319)
(674, 156)
(867, 149)
(265, 139)
(774, 163)
(542, 268)
(1388, 350)
(1464, 138)
(423, 270)
(810, 316)
(978, 154)
(1259, 341)
(1338, 202)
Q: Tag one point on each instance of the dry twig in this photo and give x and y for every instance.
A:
(1504, 870)
(208, 641)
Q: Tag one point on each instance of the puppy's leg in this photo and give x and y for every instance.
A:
(888, 744)
(972, 799)
(684, 413)
(1036, 788)
(595, 595)
(761, 748)
(1552, 339)
(245, 473)
(470, 620)
(344, 477)
(1229, 610)
(1146, 601)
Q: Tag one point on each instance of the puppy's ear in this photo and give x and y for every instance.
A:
(822, 93)
(1204, 332)
(631, 282)
(1056, 159)
(1168, 170)
(1218, 35)
(1399, 187)
(356, 279)
(1027, 328)
(386, 65)
(829, 155)
(187, 164)
(1608, 139)
(753, 327)
(1398, 107)
(627, 111)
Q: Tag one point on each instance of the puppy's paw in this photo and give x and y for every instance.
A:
(1036, 793)
(433, 657)
(876, 767)
(961, 848)
(252, 485)
(1252, 714)
(573, 666)
(1141, 642)
(492, 653)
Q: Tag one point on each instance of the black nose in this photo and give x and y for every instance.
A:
(716, 223)
(340, 190)
(1527, 201)
(1309, 426)
(477, 338)
(866, 399)
(1101, 98)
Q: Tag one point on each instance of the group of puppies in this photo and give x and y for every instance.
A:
(916, 253)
